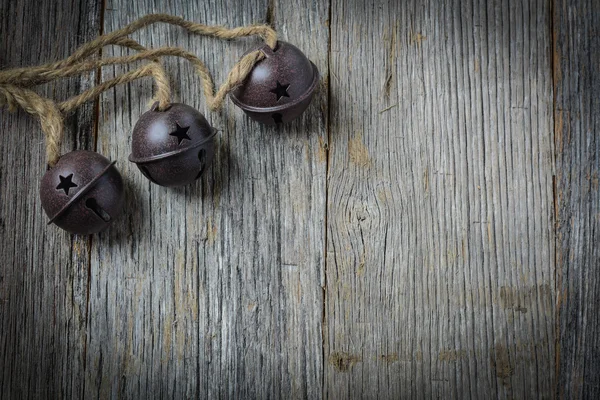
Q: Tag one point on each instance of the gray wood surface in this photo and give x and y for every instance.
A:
(576, 55)
(440, 252)
(427, 229)
(43, 271)
(214, 290)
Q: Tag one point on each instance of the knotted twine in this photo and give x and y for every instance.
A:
(15, 83)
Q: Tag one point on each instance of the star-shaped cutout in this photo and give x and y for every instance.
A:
(181, 133)
(281, 90)
(66, 183)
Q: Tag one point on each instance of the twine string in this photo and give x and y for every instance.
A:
(48, 112)
(264, 31)
(214, 99)
(163, 91)
(15, 83)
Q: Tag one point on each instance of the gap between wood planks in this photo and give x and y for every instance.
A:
(95, 131)
(325, 219)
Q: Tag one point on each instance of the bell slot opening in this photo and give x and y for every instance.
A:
(93, 205)
(146, 173)
(277, 117)
(202, 158)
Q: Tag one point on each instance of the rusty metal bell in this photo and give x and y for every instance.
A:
(83, 193)
(172, 147)
(280, 87)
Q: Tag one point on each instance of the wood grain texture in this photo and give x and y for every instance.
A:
(440, 251)
(576, 31)
(427, 229)
(213, 290)
(43, 271)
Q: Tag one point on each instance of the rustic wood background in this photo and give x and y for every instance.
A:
(429, 228)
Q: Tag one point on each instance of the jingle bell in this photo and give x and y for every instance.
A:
(280, 87)
(82, 193)
(172, 147)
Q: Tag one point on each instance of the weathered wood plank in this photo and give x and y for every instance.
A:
(440, 246)
(213, 290)
(440, 236)
(576, 33)
(44, 271)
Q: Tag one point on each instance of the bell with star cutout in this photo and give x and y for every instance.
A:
(280, 87)
(174, 146)
(83, 193)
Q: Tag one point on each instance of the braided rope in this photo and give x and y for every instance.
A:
(50, 116)
(15, 83)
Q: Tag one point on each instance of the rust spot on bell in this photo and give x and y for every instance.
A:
(280, 87)
(83, 193)
(172, 147)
